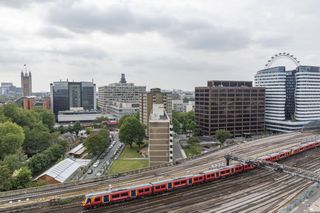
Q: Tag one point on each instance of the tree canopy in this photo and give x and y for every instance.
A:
(11, 138)
(97, 141)
(222, 135)
(183, 122)
(132, 131)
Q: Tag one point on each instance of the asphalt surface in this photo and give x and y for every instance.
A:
(108, 157)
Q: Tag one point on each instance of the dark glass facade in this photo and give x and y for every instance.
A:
(66, 95)
(290, 93)
(237, 108)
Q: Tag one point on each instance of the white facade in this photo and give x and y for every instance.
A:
(119, 92)
(119, 109)
(307, 93)
(81, 116)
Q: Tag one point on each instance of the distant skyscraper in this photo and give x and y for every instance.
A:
(65, 95)
(26, 82)
(119, 92)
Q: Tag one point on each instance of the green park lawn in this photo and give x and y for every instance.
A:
(121, 165)
(131, 152)
(124, 163)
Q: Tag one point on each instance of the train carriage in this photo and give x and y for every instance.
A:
(161, 186)
(284, 154)
(211, 174)
(182, 181)
(199, 178)
(140, 190)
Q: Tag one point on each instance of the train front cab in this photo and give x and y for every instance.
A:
(94, 201)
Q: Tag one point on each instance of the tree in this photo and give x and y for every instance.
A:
(11, 138)
(22, 178)
(184, 122)
(37, 139)
(13, 161)
(75, 128)
(132, 131)
(97, 142)
(5, 178)
(122, 119)
(46, 117)
(222, 136)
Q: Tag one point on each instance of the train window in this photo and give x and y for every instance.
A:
(184, 181)
(157, 187)
(97, 199)
(141, 190)
(178, 182)
(124, 194)
(115, 196)
(146, 190)
(163, 186)
(195, 178)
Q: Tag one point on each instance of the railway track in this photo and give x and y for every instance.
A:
(255, 191)
(253, 148)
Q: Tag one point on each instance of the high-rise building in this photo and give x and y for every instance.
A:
(234, 106)
(155, 96)
(292, 97)
(120, 92)
(65, 95)
(160, 136)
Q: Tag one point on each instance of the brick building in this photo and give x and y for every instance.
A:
(235, 106)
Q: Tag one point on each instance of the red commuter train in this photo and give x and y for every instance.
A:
(103, 198)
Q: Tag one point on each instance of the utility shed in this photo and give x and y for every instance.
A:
(62, 171)
(78, 151)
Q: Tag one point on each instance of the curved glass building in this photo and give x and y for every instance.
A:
(292, 97)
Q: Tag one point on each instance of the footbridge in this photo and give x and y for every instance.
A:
(294, 171)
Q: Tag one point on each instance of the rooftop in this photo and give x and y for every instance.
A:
(64, 169)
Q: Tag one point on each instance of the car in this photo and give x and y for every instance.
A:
(89, 171)
(99, 173)
(96, 164)
(108, 163)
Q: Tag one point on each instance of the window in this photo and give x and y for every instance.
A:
(140, 190)
(115, 196)
(158, 187)
(124, 194)
(163, 186)
(97, 199)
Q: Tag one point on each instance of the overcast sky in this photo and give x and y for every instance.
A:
(169, 44)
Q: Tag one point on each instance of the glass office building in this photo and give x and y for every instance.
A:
(292, 97)
(66, 95)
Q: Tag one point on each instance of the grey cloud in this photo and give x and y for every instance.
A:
(188, 33)
(54, 32)
(21, 3)
(78, 51)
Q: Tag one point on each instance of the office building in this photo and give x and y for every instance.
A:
(155, 96)
(8, 89)
(119, 92)
(65, 95)
(78, 114)
(26, 82)
(160, 136)
(292, 96)
(119, 109)
(234, 106)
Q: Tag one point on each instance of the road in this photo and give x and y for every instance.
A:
(108, 157)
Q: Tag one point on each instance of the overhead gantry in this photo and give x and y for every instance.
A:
(260, 163)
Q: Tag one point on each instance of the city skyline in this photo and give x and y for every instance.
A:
(183, 43)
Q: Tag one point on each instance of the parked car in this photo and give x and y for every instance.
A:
(90, 171)
(99, 173)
